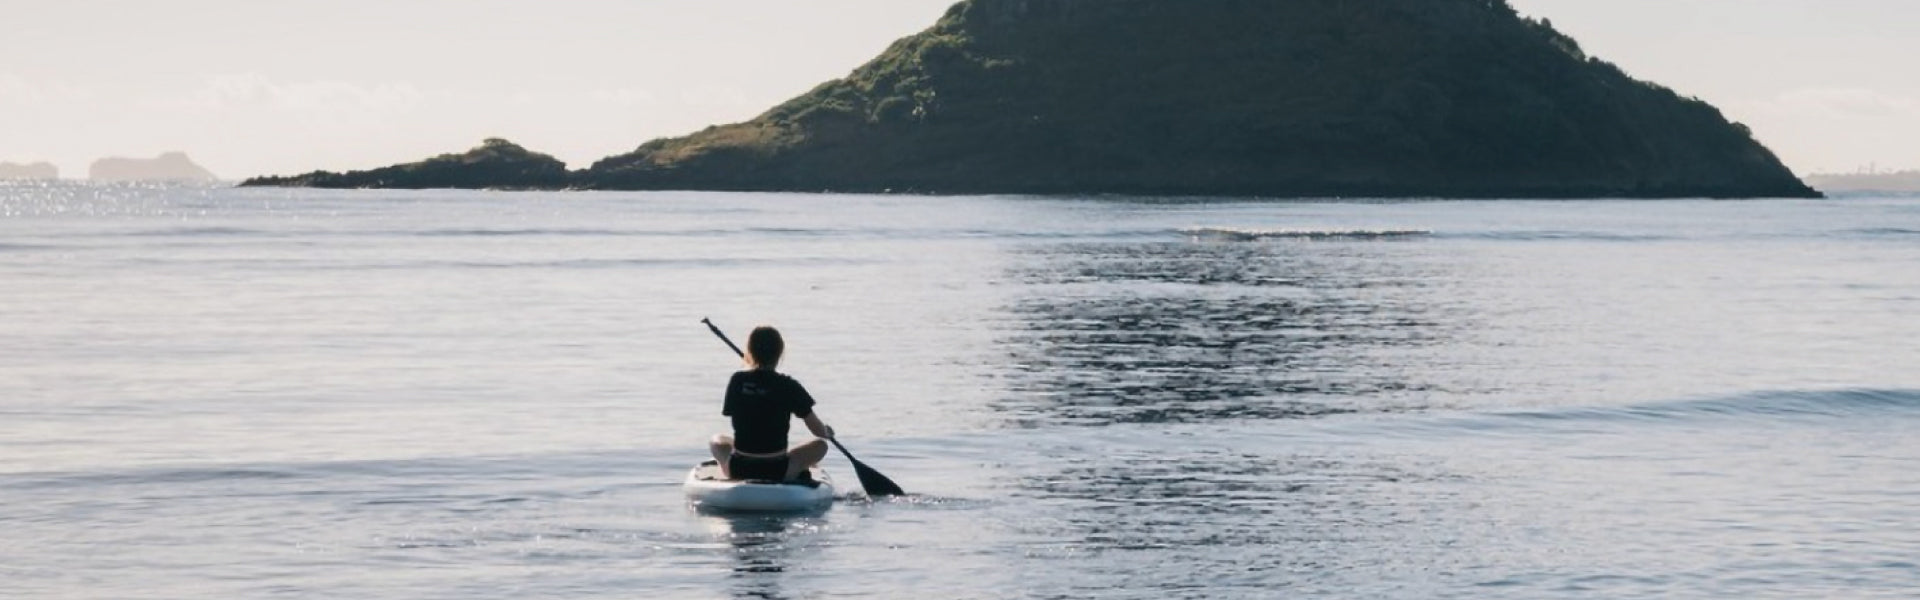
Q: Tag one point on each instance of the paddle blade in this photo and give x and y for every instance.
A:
(877, 485)
(872, 481)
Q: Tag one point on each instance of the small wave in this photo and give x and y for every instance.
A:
(1790, 404)
(584, 465)
(1779, 405)
(1015, 234)
(476, 232)
(1562, 235)
(175, 476)
(1248, 235)
(579, 264)
(484, 232)
(197, 232)
(1886, 232)
(608, 263)
(602, 232)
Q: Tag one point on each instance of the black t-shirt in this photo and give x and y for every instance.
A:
(760, 403)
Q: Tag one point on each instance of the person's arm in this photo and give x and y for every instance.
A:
(817, 426)
(803, 408)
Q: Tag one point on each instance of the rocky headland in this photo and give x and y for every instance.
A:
(1303, 98)
(494, 164)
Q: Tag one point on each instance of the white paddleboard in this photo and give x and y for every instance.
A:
(706, 490)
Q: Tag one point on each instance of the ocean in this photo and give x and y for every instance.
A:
(248, 393)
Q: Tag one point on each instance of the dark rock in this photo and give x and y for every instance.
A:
(494, 164)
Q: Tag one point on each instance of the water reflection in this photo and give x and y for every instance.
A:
(763, 547)
(1182, 332)
(1253, 517)
(1203, 332)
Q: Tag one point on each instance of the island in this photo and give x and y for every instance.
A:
(1303, 98)
(168, 166)
(38, 170)
(494, 164)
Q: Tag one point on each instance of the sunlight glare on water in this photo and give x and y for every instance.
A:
(212, 392)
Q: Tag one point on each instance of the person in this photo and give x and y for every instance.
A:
(761, 401)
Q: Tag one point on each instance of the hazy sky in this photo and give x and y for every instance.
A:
(252, 87)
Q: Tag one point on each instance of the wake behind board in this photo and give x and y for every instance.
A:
(706, 490)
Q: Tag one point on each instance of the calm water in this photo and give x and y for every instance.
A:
(214, 393)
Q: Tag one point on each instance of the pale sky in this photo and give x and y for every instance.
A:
(250, 87)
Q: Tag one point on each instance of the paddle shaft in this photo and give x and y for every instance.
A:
(723, 337)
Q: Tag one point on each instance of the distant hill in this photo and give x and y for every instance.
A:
(170, 166)
(494, 164)
(1382, 98)
(1903, 181)
(39, 170)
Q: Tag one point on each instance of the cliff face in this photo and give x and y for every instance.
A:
(1384, 98)
(494, 164)
(1294, 98)
(171, 166)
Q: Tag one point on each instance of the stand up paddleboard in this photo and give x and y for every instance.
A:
(706, 490)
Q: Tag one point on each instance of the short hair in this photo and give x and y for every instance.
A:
(764, 347)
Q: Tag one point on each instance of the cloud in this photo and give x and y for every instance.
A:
(254, 91)
(1826, 130)
(625, 97)
(18, 92)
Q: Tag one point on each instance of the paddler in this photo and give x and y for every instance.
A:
(761, 401)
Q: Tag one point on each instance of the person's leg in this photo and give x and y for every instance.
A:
(722, 448)
(805, 456)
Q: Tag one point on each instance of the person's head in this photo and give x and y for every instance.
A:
(764, 347)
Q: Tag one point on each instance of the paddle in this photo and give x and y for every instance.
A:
(872, 481)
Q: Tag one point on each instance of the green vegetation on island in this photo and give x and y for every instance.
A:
(494, 164)
(1381, 98)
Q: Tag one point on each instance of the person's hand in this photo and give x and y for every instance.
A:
(829, 430)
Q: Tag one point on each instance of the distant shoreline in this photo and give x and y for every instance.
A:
(1115, 197)
(1898, 181)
